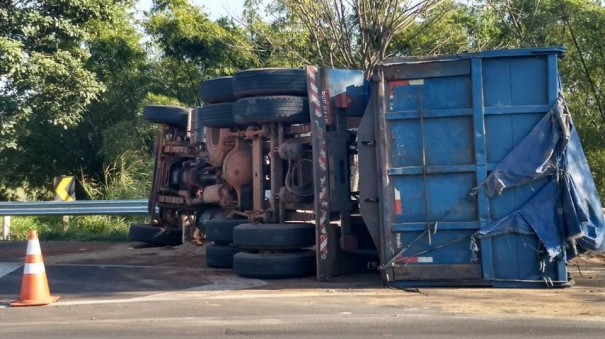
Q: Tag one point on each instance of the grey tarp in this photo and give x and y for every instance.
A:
(567, 210)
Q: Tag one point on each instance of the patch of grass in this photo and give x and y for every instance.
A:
(128, 177)
(96, 227)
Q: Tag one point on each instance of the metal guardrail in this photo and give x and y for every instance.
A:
(84, 207)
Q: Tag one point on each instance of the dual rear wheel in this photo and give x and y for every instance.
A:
(264, 251)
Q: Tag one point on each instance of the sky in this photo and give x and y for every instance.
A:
(214, 8)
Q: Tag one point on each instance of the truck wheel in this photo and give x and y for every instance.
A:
(217, 90)
(218, 256)
(270, 81)
(154, 235)
(274, 236)
(221, 230)
(170, 115)
(216, 115)
(274, 265)
(283, 108)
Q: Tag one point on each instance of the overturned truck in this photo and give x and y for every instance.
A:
(448, 170)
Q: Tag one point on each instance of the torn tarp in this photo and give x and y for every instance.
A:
(540, 152)
(568, 208)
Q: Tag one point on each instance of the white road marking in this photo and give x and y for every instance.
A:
(8, 267)
(221, 322)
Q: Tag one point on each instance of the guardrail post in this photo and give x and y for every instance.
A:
(6, 227)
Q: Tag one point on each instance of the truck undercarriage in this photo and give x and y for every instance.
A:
(254, 171)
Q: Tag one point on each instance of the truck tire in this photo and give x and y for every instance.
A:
(274, 236)
(154, 235)
(217, 90)
(216, 115)
(270, 81)
(274, 265)
(169, 115)
(219, 256)
(288, 109)
(221, 230)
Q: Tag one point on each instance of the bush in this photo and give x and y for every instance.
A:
(129, 177)
(99, 228)
(596, 161)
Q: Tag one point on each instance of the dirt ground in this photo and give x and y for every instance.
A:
(584, 301)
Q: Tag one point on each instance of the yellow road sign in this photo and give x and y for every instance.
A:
(65, 188)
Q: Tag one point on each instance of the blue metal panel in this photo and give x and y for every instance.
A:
(512, 199)
(528, 81)
(481, 154)
(503, 132)
(446, 93)
(453, 206)
(440, 250)
(459, 150)
(448, 122)
(407, 147)
(496, 82)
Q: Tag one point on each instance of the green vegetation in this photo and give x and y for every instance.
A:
(75, 75)
(100, 228)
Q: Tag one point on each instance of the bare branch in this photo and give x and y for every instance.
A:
(356, 33)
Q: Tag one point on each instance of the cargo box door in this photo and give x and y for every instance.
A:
(430, 166)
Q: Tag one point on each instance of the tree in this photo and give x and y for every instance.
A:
(193, 48)
(578, 25)
(42, 62)
(355, 34)
(450, 28)
(45, 87)
(276, 38)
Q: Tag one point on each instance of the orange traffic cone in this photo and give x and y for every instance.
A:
(34, 286)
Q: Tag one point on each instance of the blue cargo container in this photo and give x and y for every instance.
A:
(482, 179)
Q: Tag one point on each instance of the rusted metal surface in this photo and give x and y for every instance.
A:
(425, 70)
(219, 142)
(156, 172)
(298, 129)
(321, 171)
(167, 199)
(175, 149)
(237, 166)
(277, 171)
(281, 210)
(258, 182)
(251, 132)
(383, 161)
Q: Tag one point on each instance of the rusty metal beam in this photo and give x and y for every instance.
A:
(258, 189)
(318, 97)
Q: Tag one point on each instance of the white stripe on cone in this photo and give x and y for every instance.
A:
(36, 268)
(33, 247)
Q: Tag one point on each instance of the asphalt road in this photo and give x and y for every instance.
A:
(144, 295)
(260, 316)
